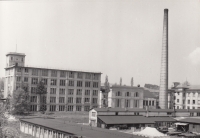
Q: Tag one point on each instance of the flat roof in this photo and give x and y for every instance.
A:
(162, 119)
(15, 53)
(49, 68)
(125, 119)
(109, 109)
(77, 129)
(190, 120)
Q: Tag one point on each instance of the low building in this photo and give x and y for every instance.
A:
(149, 100)
(51, 128)
(194, 124)
(94, 113)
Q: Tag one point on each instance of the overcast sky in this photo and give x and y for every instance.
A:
(120, 38)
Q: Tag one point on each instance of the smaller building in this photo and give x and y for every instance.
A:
(194, 124)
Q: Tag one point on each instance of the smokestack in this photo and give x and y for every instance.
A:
(163, 100)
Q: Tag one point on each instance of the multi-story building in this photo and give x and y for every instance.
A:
(67, 90)
(184, 97)
(125, 96)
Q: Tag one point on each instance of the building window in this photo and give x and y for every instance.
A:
(188, 101)
(78, 100)
(144, 102)
(117, 102)
(87, 100)
(34, 80)
(44, 72)
(94, 100)
(78, 108)
(149, 103)
(70, 99)
(35, 72)
(183, 101)
(87, 84)
(88, 76)
(44, 81)
(33, 99)
(177, 107)
(61, 108)
(26, 70)
(71, 92)
(62, 82)
(191, 114)
(53, 81)
(71, 83)
(52, 108)
(95, 93)
(93, 114)
(188, 107)
(193, 102)
(11, 58)
(62, 91)
(52, 99)
(25, 79)
(33, 89)
(193, 107)
(61, 99)
(136, 103)
(95, 77)
(33, 107)
(152, 103)
(86, 108)
(177, 100)
(169, 113)
(178, 93)
(183, 94)
(71, 74)
(136, 94)
(52, 90)
(118, 93)
(79, 83)
(87, 92)
(70, 108)
(127, 94)
(53, 73)
(79, 92)
(19, 69)
(63, 74)
(198, 113)
(95, 84)
(127, 103)
(18, 79)
(80, 75)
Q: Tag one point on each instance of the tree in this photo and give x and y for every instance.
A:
(21, 100)
(41, 91)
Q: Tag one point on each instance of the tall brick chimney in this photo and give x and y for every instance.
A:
(163, 95)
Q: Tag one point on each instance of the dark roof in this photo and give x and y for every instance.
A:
(161, 110)
(76, 129)
(163, 119)
(14, 53)
(191, 120)
(119, 109)
(126, 119)
(148, 94)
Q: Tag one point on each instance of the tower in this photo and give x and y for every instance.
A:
(164, 65)
(13, 58)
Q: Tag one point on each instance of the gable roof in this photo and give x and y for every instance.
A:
(191, 120)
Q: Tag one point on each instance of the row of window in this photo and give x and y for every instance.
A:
(54, 73)
(127, 94)
(148, 103)
(62, 82)
(193, 101)
(127, 103)
(62, 100)
(70, 91)
(62, 108)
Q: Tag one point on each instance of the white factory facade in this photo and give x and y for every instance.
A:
(67, 90)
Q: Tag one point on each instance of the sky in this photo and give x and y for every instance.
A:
(119, 38)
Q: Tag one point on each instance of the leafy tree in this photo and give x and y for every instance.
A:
(41, 91)
(21, 100)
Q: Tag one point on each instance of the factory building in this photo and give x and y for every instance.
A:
(67, 90)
